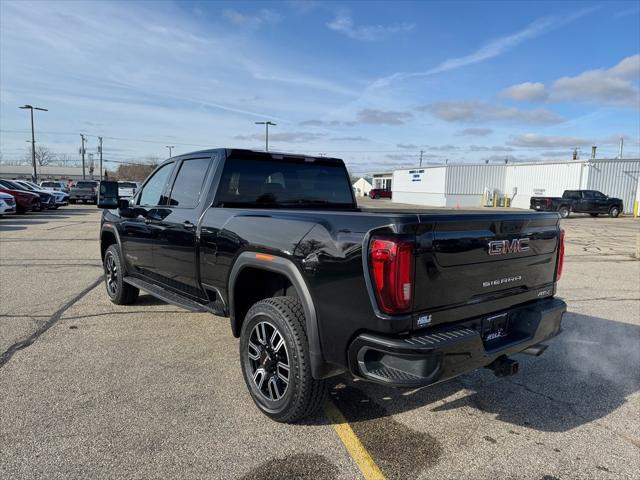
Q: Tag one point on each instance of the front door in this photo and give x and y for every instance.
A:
(139, 233)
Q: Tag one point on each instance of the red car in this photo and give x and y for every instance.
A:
(379, 193)
(25, 201)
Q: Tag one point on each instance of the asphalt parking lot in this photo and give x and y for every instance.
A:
(89, 389)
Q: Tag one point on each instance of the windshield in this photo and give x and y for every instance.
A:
(284, 183)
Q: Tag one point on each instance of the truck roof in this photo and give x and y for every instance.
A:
(260, 154)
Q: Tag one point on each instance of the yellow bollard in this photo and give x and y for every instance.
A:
(495, 200)
(636, 209)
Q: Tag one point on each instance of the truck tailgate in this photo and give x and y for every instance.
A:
(471, 260)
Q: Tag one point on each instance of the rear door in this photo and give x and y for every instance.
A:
(600, 202)
(477, 258)
(175, 253)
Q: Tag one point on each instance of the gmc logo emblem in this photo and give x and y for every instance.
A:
(502, 247)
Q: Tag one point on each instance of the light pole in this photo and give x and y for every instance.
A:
(266, 138)
(170, 147)
(33, 141)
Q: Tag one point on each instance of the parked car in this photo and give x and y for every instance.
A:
(61, 198)
(579, 201)
(315, 286)
(379, 193)
(47, 197)
(84, 191)
(25, 201)
(55, 185)
(127, 189)
(7, 204)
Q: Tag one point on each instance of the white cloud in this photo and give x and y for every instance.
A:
(475, 132)
(527, 91)
(286, 137)
(476, 111)
(263, 16)
(343, 23)
(532, 140)
(492, 49)
(613, 86)
(383, 117)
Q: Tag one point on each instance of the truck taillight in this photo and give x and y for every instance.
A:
(560, 255)
(548, 202)
(392, 271)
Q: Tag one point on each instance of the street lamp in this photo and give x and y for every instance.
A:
(33, 140)
(266, 139)
(170, 147)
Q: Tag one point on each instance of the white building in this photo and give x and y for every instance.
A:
(383, 180)
(361, 187)
(475, 185)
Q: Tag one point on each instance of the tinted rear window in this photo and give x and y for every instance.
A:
(285, 182)
(86, 184)
(188, 185)
(127, 185)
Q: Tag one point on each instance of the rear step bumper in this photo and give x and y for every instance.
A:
(447, 351)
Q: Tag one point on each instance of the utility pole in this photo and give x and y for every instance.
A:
(82, 153)
(170, 147)
(421, 152)
(100, 152)
(34, 177)
(621, 145)
(266, 138)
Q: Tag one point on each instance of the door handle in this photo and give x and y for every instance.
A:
(147, 221)
(188, 225)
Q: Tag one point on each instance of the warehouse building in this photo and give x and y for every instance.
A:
(475, 185)
(47, 172)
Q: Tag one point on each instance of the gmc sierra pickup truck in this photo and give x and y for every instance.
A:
(315, 286)
(578, 201)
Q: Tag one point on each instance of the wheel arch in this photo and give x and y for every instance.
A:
(287, 269)
(108, 236)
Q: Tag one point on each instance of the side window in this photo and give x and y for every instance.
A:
(188, 185)
(152, 193)
(588, 194)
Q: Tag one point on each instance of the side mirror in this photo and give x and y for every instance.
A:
(108, 195)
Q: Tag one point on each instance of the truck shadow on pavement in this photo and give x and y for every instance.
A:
(586, 373)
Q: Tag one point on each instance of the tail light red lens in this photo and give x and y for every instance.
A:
(548, 202)
(560, 255)
(392, 271)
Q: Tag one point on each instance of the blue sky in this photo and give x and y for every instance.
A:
(373, 83)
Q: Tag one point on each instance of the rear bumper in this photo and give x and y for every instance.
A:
(446, 351)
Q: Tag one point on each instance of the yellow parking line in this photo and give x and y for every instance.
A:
(352, 443)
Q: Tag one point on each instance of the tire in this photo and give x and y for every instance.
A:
(119, 292)
(593, 214)
(288, 396)
(564, 211)
(614, 212)
(374, 197)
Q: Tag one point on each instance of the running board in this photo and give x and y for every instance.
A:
(167, 295)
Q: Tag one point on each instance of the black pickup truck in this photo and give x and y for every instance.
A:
(578, 201)
(315, 286)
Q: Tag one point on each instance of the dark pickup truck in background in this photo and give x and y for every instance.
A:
(315, 286)
(578, 201)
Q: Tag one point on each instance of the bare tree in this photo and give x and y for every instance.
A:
(44, 155)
